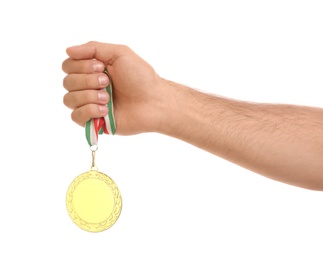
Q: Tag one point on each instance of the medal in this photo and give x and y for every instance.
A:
(93, 200)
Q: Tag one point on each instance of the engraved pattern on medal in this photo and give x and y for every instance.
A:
(94, 227)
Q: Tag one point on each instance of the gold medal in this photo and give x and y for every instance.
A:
(93, 200)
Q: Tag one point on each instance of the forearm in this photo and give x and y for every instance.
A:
(282, 142)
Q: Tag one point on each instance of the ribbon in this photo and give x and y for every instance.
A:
(97, 126)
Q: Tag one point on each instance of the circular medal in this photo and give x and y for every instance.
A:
(93, 201)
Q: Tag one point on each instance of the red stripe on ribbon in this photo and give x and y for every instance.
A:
(99, 123)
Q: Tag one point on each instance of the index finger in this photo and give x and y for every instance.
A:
(104, 52)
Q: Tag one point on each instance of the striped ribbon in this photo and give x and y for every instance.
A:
(98, 126)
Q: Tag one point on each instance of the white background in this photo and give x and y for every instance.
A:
(179, 202)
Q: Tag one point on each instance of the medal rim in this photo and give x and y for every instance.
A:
(117, 207)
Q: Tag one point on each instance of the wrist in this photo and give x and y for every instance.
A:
(175, 102)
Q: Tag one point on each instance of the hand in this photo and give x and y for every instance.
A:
(137, 89)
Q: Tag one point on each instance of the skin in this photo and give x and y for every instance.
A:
(279, 141)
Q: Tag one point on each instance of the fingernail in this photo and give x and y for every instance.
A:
(103, 109)
(103, 95)
(103, 79)
(98, 67)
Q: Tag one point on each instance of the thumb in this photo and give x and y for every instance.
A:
(104, 52)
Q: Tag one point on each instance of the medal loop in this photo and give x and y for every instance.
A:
(93, 166)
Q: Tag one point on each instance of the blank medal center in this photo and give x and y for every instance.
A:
(93, 200)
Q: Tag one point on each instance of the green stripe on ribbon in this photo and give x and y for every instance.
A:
(110, 107)
(88, 131)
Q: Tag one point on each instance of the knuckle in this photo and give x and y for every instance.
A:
(68, 100)
(74, 116)
(125, 48)
(64, 66)
(82, 114)
(65, 82)
(92, 42)
(70, 82)
(65, 100)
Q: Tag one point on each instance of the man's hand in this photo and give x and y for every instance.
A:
(137, 89)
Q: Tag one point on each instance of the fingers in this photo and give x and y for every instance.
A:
(85, 78)
(82, 66)
(87, 104)
(75, 82)
(104, 52)
(83, 114)
(77, 99)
